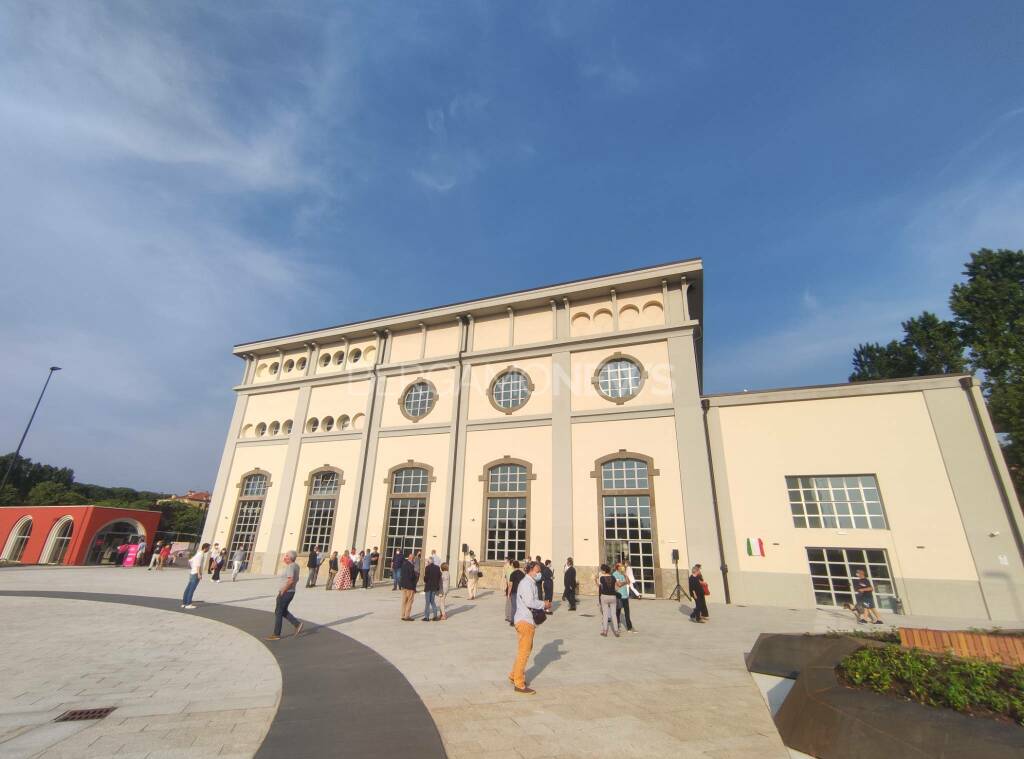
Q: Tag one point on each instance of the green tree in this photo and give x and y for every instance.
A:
(989, 312)
(52, 493)
(929, 346)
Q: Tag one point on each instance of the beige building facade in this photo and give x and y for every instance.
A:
(569, 420)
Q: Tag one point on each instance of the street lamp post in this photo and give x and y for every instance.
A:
(10, 467)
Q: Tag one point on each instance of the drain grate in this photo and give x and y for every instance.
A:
(78, 715)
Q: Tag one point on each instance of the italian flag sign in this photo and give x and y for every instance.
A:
(755, 547)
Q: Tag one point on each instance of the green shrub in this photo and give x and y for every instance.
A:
(966, 685)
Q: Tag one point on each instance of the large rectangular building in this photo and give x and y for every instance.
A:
(569, 420)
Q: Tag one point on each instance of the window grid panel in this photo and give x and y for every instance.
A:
(406, 524)
(834, 569)
(319, 524)
(409, 480)
(20, 541)
(627, 526)
(247, 524)
(61, 543)
(324, 483)
(836, 503)
(619, 378)
(506, 529)
(511, 390)
(507, 478)
(255, 485)
(419, 399)
(625, 474)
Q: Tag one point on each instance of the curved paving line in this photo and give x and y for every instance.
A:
(337, 695)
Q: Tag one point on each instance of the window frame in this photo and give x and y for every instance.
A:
(835, 515)
(46, 555)
(652, 472)
(494, 383)
(240, 487)
(405, 392)
(388, 552)
(14, 537)
(308, 484)
(487, 495)
(618, 356)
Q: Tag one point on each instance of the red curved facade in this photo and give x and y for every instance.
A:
(87, 522)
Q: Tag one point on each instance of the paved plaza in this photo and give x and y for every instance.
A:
(186, 685)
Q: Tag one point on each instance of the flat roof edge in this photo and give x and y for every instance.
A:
(838, 390)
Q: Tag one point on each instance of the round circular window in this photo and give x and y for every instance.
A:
(510, 390)
(418, 399)
(619, 378)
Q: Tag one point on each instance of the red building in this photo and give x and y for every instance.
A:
(70, 534)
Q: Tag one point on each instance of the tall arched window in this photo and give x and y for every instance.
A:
(408, 491)
(627, 515)
(18, 539)
(252, 492)
(57, 544)
(321, 508)
(507, 509)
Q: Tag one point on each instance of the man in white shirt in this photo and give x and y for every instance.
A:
(526, 602)
(195, 573)
(289, 582)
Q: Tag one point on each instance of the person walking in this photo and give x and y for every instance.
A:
(285, 594)
(446, 585)
(312, 566)
(607, 596)
(865, 598)
(140, 557)
(196, 565)
(526, 603)
(431, 587)
(155, 558)
(472, 577)
(514, 581)
(332, 570)
(367, 566)
(408, 583)
(396, 569)
(569, 584)
(165, 555)
(344, 579)
(697, 592)
(216, 562)
(237, 559)
(622, 604)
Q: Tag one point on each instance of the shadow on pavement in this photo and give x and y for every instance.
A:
(548, 654)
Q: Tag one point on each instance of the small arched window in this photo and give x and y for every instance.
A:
(286, 428)
(343, 422)
(325, 360)
(261, 429)
(274, 367)
(339, 358)
(355, 356)
(327, 423)
(289, 366)
(274, 428)
(18, 539)
(313, 424)
(59, 541)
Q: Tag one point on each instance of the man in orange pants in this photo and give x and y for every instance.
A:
(526, 602)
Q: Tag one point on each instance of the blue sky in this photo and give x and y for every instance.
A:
(181, 177)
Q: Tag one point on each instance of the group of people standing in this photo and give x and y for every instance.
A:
(344, 570)
(405, 574)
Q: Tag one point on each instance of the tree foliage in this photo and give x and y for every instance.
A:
(988, 324)
(929, 346)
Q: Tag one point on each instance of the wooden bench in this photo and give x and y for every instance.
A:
(1004, 649)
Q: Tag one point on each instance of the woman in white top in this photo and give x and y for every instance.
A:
(632, 580)
(472, 575)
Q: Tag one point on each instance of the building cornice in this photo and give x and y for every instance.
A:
(844, 390)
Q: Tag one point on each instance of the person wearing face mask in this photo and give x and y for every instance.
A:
(526, 602)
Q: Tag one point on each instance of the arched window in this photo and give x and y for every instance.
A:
(627, 515)
(354, 356)
(286, 428)
(300, 364)
(289, 365)
(406, 521)
(274, 367)
(252, 491)
(507, 509)
(339, 358)
(18, 539)
(321, 507)
(313, 424)
(325, 359)
(57, 544)
(418, 399)
(261, 429)
(274, 428)
(327, 423)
